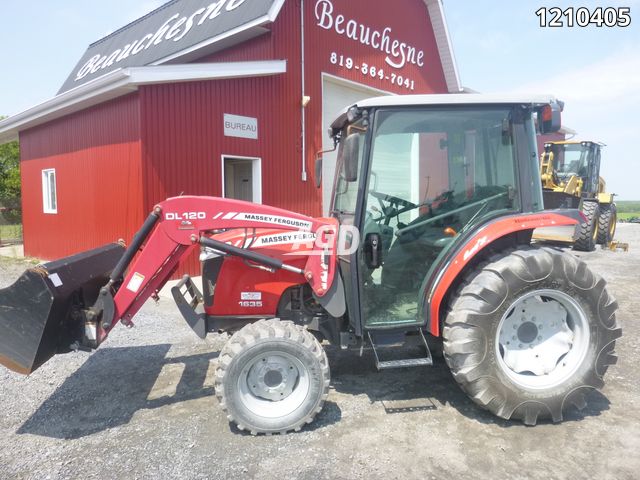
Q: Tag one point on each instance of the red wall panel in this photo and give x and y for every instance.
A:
(96, 155)
(408, 21)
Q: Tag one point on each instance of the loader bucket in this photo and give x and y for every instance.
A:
(40, 313)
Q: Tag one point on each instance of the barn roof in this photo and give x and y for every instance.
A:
(179, 32)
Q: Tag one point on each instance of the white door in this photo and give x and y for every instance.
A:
(336, 96)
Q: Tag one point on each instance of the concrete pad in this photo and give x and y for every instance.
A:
(12, 251)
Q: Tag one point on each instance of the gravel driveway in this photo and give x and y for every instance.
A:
(142, 406)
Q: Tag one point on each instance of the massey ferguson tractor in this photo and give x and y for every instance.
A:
(435, 199)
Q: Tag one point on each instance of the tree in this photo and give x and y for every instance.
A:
(10, 181)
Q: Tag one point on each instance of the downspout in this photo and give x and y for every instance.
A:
(302, 100)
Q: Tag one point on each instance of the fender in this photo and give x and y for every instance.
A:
(483, 238)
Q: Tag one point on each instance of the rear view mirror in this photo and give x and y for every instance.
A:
(551, 117)
(351, 155)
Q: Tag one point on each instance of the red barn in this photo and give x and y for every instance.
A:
(225, 98)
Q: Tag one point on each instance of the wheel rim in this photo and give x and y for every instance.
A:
(273, 385)
(542, 339)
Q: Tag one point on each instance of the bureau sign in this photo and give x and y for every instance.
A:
(241, 127)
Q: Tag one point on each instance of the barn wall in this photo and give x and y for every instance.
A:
(96, 155)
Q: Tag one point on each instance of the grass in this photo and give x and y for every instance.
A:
(628, 209)
(10, 232)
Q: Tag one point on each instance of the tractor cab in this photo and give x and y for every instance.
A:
(417, 177)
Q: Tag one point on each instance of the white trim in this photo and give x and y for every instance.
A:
(126, 80)
(47, 206)
(445, 46)
(447, 99)
(256, 175)
(458, 99)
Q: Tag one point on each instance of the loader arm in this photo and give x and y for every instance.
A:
(177, 226)
(73, 303)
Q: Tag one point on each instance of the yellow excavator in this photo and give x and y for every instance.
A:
(570, 173)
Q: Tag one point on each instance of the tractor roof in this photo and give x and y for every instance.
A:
(456, 99)
(445, 99)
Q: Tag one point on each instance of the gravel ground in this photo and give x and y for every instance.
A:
(142, 406)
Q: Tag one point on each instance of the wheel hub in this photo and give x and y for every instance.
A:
(272, 378)
(535, 336)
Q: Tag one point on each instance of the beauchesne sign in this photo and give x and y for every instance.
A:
(399, 53)
(180, 31)
(174, 29)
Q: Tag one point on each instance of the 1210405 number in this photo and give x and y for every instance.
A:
(583, 17)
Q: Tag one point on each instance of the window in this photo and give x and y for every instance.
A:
(434, 175)
(49, 194)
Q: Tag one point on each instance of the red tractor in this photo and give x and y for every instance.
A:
(429, 237)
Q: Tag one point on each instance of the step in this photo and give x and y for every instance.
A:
(398, 341)
(404, 363)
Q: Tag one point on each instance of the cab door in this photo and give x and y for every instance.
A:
(431, 176)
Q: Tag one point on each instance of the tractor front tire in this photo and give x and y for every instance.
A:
(530, 333)
(607, 223)
(272, 377)
(587, 237)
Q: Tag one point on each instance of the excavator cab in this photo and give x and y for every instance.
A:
(576, 166)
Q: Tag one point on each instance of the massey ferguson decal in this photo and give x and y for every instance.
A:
(272, 219)
(286, 239)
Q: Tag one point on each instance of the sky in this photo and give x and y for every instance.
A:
(499, 46)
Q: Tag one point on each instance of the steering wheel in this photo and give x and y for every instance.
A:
(397, 206)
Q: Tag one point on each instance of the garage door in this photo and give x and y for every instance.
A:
(337, 95)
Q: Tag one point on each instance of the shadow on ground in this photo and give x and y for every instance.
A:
(111, 386)
(401, 391)
(115, 383)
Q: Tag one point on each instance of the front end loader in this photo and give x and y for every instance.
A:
(570, 174)
(428, 240)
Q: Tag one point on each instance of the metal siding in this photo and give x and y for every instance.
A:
(182, 124)
(96, 154)
(410, 22)
(183, 132)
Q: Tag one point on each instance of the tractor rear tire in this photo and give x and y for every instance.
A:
(521, 367)
(607, 223)
(588, 232)
(272, 377)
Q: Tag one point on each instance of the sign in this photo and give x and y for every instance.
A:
(177, 28)
(241, 127)
(394, 59)
(398, 53)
